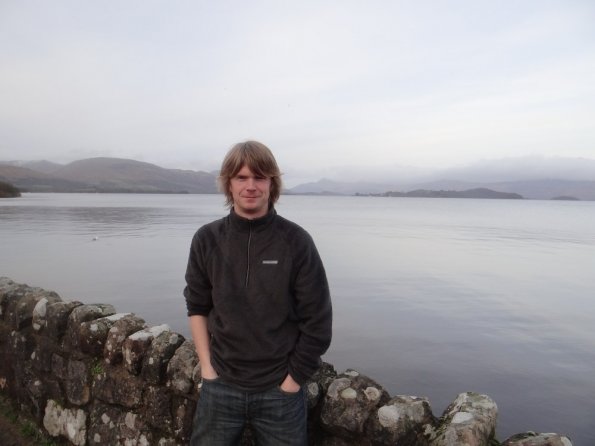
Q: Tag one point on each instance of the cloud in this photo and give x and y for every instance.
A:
(325, 84)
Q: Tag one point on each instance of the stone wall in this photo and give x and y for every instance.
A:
(97, 377)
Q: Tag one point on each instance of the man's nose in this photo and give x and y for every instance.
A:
(251, 183)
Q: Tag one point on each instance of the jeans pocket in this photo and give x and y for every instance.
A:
(209, 380)
(290, 394)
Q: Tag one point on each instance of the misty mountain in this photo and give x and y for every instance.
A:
(38, 166)
(531, 177)
(533, 189)
(548, 188)
(109, 175)
(523, 169)
(341, 188)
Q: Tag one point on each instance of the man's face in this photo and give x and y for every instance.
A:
(250, 193)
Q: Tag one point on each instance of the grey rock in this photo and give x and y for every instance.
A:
(35, 389)
(55, 322)
(69, 423)
(78, 383)
(18, 303)
(402, 420)
(313, 394)
(81, 314)
(536, 439)
(470, 419)
(317, 386)
(114, 425)
(9, 300)
(136, 345)
(350, 400)
(104, 424)
(118, 334)
(157, 404)
(39, 314)
(92, 335)
(52, 365)
(85, 313)
(180, 370)
(30, 389)
(116, 386)
(5, 284)
(158, 356)
(183, 413)
(21, 344)
(44, 349)
(167, 442)
(7, 289)
(59, 366)
(134, 431)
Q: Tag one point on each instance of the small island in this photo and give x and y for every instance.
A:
(470, 193)
(565, 198)
(7, 190)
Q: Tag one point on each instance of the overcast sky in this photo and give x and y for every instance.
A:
(325, 84)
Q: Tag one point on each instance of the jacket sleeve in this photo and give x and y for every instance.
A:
(314, 311)
(198, 286)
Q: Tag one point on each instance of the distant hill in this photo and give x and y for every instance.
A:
(530, 177)
(544, 189)
(28, 180)
(534, 177)
(109, 175)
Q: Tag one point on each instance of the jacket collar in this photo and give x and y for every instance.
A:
(244, 224)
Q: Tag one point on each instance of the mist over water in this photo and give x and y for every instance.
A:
(432, 297)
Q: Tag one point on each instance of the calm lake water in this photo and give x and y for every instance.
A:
(432, 297)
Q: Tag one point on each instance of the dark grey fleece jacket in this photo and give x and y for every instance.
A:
(264, 289)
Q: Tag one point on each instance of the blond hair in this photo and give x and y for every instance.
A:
(259, 159)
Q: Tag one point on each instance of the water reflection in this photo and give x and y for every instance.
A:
(431, 297)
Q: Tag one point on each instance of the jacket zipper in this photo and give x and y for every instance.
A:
(248, 252)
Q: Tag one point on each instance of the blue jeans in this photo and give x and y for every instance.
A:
(276, 418)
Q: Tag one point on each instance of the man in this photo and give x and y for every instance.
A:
(259, 309)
